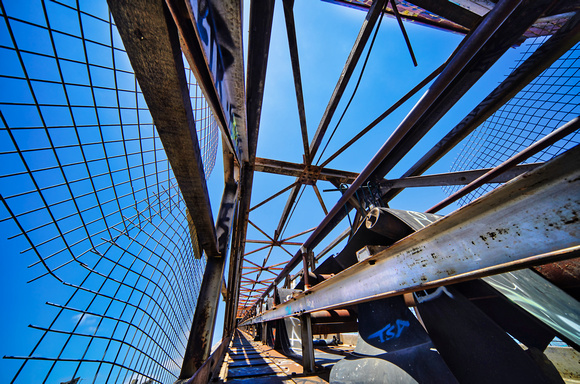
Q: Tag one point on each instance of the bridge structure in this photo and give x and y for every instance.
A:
(445, 247)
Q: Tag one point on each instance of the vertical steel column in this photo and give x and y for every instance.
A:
(307, 346)
(199, 342)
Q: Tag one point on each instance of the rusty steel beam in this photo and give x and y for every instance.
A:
(403, 31)
(319, 196)
(530, 221)
(450, 11)
(156, 58)
(261, 15)
(260, 29)
(260, 272)
(280, 167)
(259, 242)
(262, 232)
(351, 62)
(200, 337)
(518, 16)
(286, 211)
(273, 196)
(201, 333)
(298, 234)
(540, 60)
(212, 366)
(257, 250)
(293, 45)
(454, 178)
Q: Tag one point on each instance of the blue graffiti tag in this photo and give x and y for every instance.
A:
(388, 332)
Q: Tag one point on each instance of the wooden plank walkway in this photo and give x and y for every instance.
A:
(248, 361)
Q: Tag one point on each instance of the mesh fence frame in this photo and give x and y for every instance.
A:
(85, 180)
(549, 101)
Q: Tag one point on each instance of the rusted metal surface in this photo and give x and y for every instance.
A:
(210, 367)
(333, 315)
(261, 14)
(202, 327)
(274, 196)
(506, 34)
(199, 342)
(563, 274)
(454, 178)
(463, 58)
(249, 361)
(301, 171)
(532, 215)
(450, 11)
(293, 45)
(156, 58)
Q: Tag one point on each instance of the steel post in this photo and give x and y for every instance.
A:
(202, 327)
(308, 361)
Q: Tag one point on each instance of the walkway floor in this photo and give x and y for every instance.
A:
(249, 361)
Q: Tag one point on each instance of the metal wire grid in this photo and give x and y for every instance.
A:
(85, 180)
(549, 101)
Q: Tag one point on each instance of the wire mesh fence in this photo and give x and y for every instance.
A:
(549, 101)
(84, 180)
